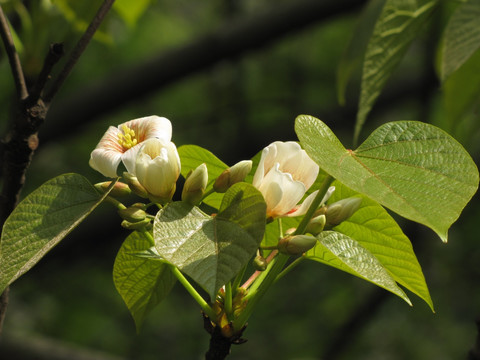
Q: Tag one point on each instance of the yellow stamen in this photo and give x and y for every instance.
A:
(128, 138)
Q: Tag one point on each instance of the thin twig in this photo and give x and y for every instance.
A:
(55, 52)
(13, 58)
(79, 49)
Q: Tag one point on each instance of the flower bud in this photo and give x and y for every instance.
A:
(195, 185)
(119, 189)
(316, 225)
(232, 175)
(157, 167)
(132, 214)
(139, 225)
(135, 185)
(297, 244)
(260, 263)
(341, 210)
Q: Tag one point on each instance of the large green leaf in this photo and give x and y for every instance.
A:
(192, 156)
(462, 37)
(211, 250)
(41, 221)
(341, 252)
(142, 282)
(413, 168)
(375, 230)
(399, 23)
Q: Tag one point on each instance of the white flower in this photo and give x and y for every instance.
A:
(158, 168)
(283, 176)
(122, 143)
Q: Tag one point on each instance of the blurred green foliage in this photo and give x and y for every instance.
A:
(234, 109)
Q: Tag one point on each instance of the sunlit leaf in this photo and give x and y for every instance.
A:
(413, 168)
(341, 252)
(212, 250)
(399, 23)
(142, 282)
(375, 230)
(41, 221)
(462, 37)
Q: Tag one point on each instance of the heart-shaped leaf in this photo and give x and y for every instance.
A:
(41, 221)
(142, 282)
(413, 168)
(341, 252)
(211, 250)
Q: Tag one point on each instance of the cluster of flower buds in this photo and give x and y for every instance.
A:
(238, 305)
(135, 217)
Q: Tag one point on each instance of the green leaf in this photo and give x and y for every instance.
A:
(399, 23)
(375, 230)
(212, 250)
(352, 58)
(131, 11)
(461, 91)
(191, 156)
(142, 282)
(462, 37)
(413, 168)
(41, 221)
(341, 252)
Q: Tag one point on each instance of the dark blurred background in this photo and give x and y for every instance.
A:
(232, 76)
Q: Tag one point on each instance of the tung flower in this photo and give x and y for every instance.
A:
(284, 174)
(122, 143)
(158, 168)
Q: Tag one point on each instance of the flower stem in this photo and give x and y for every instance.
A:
(191, 290)
(186, 284)
(228, 299)
(289, 268)
(261, 281)
(315, 204)
(115, 203)
(257, 273)
(265, 279)
(208, 193)
(238, 279)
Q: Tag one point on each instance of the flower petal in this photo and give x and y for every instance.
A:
(302, 209)
(105, 161)
(151, 127)
(292, 191)
(109, 140)
(260, 172)
(129, 158)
